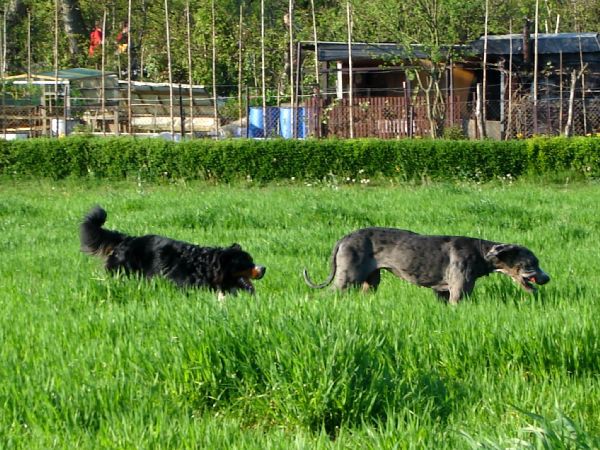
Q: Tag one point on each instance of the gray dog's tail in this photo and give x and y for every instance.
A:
(95, 239)
(329, 279)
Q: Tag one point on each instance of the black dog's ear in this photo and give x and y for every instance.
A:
(499, 251)
(235, 246)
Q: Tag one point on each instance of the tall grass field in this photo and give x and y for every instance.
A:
(89, 360)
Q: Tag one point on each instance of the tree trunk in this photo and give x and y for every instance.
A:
(74, 24)
(16, 10)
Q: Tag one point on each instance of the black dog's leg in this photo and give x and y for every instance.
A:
(372, 281)
(442, 295)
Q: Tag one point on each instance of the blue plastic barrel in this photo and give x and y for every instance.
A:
(285, 123)
(256, 128)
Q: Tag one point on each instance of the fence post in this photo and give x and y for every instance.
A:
(478, 113)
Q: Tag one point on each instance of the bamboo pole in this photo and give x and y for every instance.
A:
(350, 75)
(240, 62)
(29, 85)
(568, 126)
(169, 69)
(129, 110)
(478, 112)
(4, 45)
(214, 69)
(262, 53)
(292, 97)
(29, 49)
(485, 57)
(2, 68)
(535, 66)
(560, 91)
(583, 108)
(103, 74)
(190, 67)
(314, 24)
(510, 93)
(56, 6)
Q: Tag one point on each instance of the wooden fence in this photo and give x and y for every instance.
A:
(381, 117)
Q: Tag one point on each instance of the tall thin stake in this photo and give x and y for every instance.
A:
(190, 67)
(560, 91)
(170, 69)
(535, 67)
(292, 96)
(314, 24)
(510, 92)
(3, 48)
(129, 108)
(2, 66)
(29, 86)
(583, 108)
(214, 69)
(103, 74)
(350, 75)
(484, 87)
(56, 6)
(29, 48)
(262, 65)
(240, 62)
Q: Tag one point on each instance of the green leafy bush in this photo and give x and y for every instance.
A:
(268, 160)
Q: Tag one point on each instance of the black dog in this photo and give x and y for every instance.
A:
(224, 270)
(449, 265)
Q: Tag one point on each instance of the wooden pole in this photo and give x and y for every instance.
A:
(484, 87)
(29, 86)
(510, 89)
(291, 34)
(129, 108)
(190, 67)
(29, 48)
(4, 45)
(350, 75)
(314, 24)
(478, 113)
(214, 69)
(535, 67)
(2, 67)
(560, 92)
(56, 6)
(583, 108)
(568, 126)
(262, 52)
(240, 62)
(169, 69)
(262, 67)
(103, 74)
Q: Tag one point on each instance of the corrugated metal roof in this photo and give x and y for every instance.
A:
(547, 43)
(338, 51)
(497, 45)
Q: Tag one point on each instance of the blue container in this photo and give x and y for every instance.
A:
(285, 123)
(256, 128)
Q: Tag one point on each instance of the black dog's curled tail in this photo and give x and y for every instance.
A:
(95, 239)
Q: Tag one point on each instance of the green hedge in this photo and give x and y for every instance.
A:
(229, 160)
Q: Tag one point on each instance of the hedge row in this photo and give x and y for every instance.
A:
(229, 160)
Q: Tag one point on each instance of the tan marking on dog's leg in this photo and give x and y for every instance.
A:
(221, 296)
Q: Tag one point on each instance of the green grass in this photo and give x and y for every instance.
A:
(93, 361)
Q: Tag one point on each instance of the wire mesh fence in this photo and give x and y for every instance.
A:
(314, 116)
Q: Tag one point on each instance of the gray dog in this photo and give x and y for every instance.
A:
(449, 265)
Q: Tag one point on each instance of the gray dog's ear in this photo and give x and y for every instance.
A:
(500, 250)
